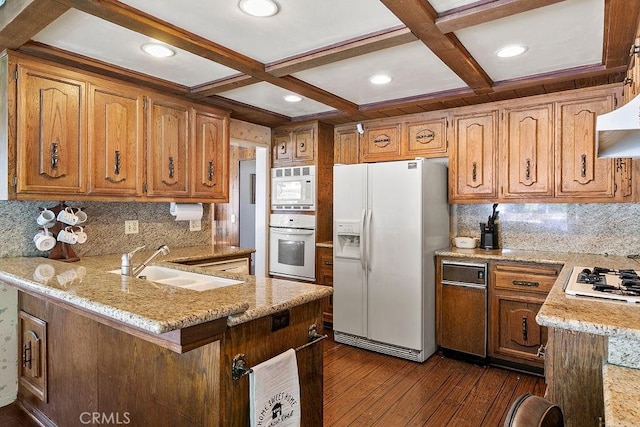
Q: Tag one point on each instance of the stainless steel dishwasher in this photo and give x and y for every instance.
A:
(463, 308)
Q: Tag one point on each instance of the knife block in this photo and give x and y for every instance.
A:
(488, 236)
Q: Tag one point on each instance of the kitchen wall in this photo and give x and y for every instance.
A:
(105, 228)
(595, 228)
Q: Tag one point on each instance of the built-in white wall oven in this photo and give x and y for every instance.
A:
(293, 188)
(292, 246)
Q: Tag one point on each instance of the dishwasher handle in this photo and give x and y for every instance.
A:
(466, 285)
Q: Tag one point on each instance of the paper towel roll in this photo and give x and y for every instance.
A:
(186, 211)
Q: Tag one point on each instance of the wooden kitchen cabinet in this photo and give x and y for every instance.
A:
(472, 158)
(346, 145)
(324, 276)
(426, 137)
(579, 173)
(116, 141)
(517, 293)
(51, 130)
(294, 145)
(526, 152)
(380, 142)
(32, 367)
(211, 155)
(168, 139)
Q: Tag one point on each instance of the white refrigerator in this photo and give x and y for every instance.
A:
(389, 218)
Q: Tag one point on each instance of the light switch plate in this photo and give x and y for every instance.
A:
(195, 225)
(131, 227)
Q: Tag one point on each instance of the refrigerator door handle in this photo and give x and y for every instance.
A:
(368, 239)
(362, 239)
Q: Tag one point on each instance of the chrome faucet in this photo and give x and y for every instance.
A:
(125, 268)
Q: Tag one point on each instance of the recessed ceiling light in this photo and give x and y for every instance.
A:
(292, 98)
(509, 51)
(259, 8)
(158, 50)
(380, 79)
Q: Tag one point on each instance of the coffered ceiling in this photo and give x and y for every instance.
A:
(438, 53)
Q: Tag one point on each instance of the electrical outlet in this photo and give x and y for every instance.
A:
(195, 225)
(131, 227)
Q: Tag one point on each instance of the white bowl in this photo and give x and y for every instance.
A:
(465, 242)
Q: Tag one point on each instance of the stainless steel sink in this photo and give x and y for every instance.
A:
(183, 279)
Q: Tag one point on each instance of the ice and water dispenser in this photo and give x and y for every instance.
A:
(347, 242)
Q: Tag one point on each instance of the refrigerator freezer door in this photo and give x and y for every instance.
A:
(395, 280)
(349, 276)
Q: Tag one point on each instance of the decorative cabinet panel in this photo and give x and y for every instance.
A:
(294, 146)
(115, 141)
(472, 161)
(380, 143)
(168, 148)
(345, 145)
(579, 173)
(211, 156)
(518, 291)
(51, 129)
(527, 157)
(32, 366)
(425, 138)
(324, 275)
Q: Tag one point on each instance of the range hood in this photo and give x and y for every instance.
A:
(618, 132)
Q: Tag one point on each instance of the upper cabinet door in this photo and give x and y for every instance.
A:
(168, 150)
(527, 152)
(579, 172)
(211, 156)
(303, 145)
(472, 161)
(282, 150)
(380, 143)
(115, 141)
(51, 128)
(427, 138)
(345, 145)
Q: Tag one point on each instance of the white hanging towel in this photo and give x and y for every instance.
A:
(274, 392)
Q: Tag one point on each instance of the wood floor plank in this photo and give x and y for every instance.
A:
(479, 400)
(500, 406)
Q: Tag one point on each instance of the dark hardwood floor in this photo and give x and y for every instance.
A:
(362, 388)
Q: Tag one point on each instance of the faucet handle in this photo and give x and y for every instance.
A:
(136, 250)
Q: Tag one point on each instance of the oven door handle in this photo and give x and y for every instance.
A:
(292, 231)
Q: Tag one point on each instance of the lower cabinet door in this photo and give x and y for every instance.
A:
(463, 319)
(516, 336)
(33, 346)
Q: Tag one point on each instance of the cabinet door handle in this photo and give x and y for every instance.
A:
(528, 170)
(283, 148)
(526, 283)
(210, 174)
(55, 155)
(541, 351)
(525, 329)
(31, 353)
(583, 167)
(474, 171)
(171, 167)
(301, 145)
(116, 168)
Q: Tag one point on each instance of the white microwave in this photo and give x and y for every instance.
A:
(293, 188)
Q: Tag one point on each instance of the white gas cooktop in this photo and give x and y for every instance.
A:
(621, 285)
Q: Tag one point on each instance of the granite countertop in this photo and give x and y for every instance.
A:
(582, 314)
(154, 307)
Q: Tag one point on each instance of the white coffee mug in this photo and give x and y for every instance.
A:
(67, 216)
(44, 240)
(46, 218)
(80, 234)
(82, 216)
(67, 236)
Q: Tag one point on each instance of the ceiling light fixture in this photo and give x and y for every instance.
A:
(157, 50)
(259, 8)
(512, 50)
(292, 98)
(380, 79)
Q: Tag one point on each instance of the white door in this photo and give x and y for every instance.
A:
(349, 278)
(395, 253)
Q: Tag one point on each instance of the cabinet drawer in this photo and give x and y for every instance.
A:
(525, 278)
(326, 263)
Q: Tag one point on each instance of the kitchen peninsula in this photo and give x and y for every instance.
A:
(98, 342)
(592, 343)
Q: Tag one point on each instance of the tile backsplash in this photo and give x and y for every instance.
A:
(104, 227)
(597, 228)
